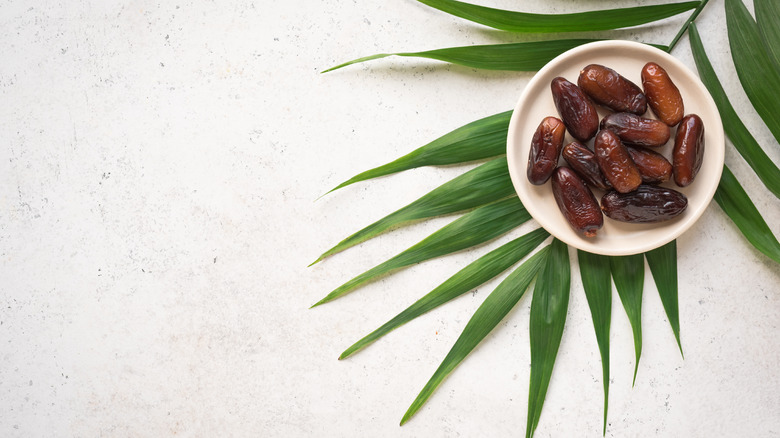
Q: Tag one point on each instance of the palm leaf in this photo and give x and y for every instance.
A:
(628, 272)
(737, 204)
(473, 228)
(767, 19)
(495, 307)
(743, 141)
(473, 275)
(596, 281)
(755, 69)
(480, 139)
(548, 316)
(663, 266)
(542, 23)
(527, 56)
(685, 25)
(484, 184)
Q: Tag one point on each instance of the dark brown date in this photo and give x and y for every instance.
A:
(615, 163)
(688, 152)
(637, 130)
(576, 110)
(576, 202)
(653, 167)
(584, 163)
(545, 149)
(606, 87)
(662, 95)
(645, 204)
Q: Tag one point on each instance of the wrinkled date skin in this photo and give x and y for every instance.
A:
(584, 163)
(646, 204)
(637, 130)
(576, 202)
(616, 163)
(576, 110)
(662, 95)
(606, 87)
(653, 167)
(688, 152)
(545, 149)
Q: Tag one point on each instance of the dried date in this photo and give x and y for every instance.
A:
(688, 152)
(646, 204)
(576, 202)
(653, 167)
(606, 87)
(615, 162)
(576, 110)
(545, 149)
(663, 96)
(637, 130)
(584, 163)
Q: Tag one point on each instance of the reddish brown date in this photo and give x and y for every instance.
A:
(688, 152)
(576, 202)
(576, 110)
(637, 130)
(644, 205)
(653, 167)
(606, 87)
(545, 149)
(662, 95)
(584, 163)
(615, 163)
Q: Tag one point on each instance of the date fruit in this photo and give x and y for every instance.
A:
(606, 87)
(615, 163)
(646, 204)
(662, 95)
(584, 163)
(545, 149)
(688, 152)
(653, 167)
(576, 202)
(576, 110)
(637, 130)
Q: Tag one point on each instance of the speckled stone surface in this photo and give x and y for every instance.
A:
(159, 167)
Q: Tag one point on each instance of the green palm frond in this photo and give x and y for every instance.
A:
(523, 22)
(755, 47)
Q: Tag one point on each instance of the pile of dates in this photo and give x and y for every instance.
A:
(622, 160)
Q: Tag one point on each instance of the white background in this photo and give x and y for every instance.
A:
(158, 171)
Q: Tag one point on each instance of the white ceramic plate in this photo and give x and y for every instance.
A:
(536, 103)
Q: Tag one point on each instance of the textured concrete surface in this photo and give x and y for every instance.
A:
(158, 171)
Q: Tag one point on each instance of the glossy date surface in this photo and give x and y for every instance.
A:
(575, 108)
(663, 96)
(653, 167)
(647, 204)
(576, 202)
(637, 130)
(583, 161)
(607, 87)
(616, 163)
(688, 152)
(545, 149)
